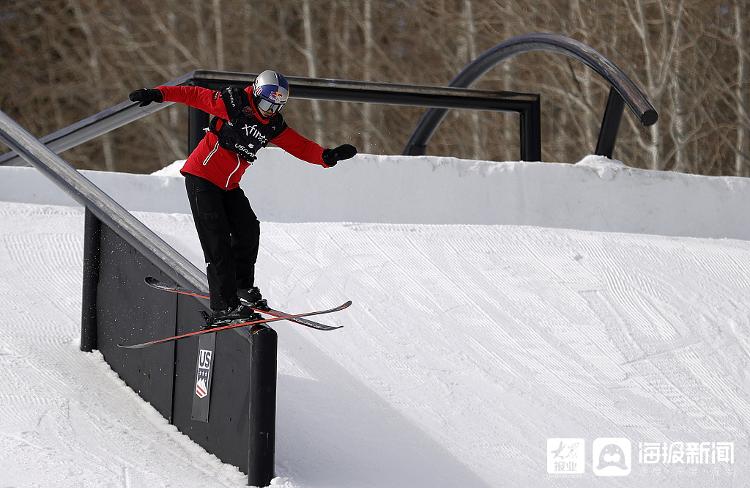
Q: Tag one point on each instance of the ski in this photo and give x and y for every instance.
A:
(233, 326)
(160, 285)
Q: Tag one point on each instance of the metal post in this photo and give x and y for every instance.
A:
(415, 150)
(197, 121)
(91, 253)
(262, 434)
(610, 124)
(531, 133)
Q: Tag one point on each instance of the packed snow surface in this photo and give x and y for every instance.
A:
(467, 347)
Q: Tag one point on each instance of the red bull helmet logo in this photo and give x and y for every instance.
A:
(272, 93)
(276, 96)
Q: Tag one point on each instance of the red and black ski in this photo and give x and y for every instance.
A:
(234, 326)
(160, 285)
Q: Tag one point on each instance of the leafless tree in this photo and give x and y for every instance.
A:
(66, 59)
(742, 18)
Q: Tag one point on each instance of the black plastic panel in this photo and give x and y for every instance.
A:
(129, 311)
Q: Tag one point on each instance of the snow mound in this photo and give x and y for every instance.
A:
(606, 168)
(172, 169)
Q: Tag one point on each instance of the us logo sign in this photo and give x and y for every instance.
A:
(203, 374)
(203, 377)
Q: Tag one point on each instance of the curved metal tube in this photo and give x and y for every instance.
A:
(627, 89)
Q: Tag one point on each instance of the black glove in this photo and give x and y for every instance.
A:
(146, 96)
(333, 156)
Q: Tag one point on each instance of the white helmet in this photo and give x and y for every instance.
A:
(270, 92)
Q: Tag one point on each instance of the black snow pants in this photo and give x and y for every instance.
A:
(229, 233)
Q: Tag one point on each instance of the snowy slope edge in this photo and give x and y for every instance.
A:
(594, 194)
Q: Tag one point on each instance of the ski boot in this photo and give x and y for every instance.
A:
(252, 298)
(238, 313)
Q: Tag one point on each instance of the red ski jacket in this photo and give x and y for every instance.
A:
(220, 166)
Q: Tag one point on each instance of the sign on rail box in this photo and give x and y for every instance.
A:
(203, 371)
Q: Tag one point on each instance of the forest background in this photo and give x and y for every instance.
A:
(63, 60)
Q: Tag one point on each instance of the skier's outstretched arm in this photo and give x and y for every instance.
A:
(194, 96)
(300, 147)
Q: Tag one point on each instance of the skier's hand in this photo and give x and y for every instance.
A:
(333, 156)
(146, 96)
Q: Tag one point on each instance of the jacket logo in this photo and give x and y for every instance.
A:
(253, 130)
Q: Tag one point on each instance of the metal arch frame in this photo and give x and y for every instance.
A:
(623, 90)
(456, 95)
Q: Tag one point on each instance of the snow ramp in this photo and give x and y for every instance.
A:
(466, 349)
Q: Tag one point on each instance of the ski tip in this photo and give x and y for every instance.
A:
(328, 327)
(150, 280)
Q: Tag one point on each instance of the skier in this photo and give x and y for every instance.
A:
(244, 121)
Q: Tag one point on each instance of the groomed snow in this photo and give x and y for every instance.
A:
(466, 348)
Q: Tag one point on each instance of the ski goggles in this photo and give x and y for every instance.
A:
(268, 107)
(271, 98)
